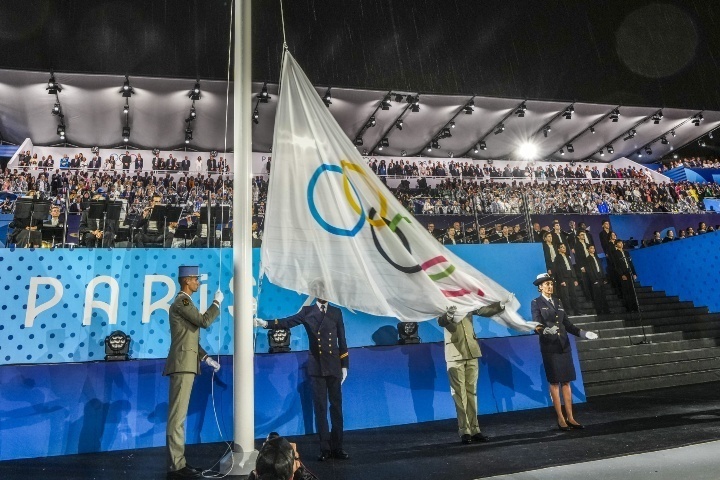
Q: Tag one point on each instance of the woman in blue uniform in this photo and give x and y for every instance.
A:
(555, 348)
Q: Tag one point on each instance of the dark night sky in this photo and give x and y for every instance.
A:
(626, 52)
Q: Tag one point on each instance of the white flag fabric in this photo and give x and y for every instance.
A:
(333, 230)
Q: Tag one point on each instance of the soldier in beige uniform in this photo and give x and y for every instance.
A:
(461, 355)
(183, 363)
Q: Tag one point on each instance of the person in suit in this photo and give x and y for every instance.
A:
(183, 364)
(549, 251)
(185, 164)
(138, 163)
(581, 254)
(566, 279)
(96, 232)
(605, 237)
(126, 161)
(624, 275)
(669, 236)
(461, 356)
(558, 236)
(595, 276)
(327, 368)
(553, 329)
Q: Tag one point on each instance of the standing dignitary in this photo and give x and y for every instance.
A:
(555, 348)
(461, 356)
(327, 368)
(624, 275)
(183, 363)
(596, 280)
(566, 279)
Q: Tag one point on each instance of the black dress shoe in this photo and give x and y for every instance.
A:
(466, 439)
(479, 437)
(340, 454)
(575, 426)
(198, 470)
(566, 428)
(324, 455)
(184, 472)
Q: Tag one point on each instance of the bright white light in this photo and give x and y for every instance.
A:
(528, 150)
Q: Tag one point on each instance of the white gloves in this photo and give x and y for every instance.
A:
(344, 375)
(450, 312)
(218, 297)
(550, 330)
(588, 335)
(509, 299)
(212, 363)
(259, 322)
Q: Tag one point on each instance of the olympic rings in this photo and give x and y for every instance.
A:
(412, 269)
(346, 187)
(316, 215)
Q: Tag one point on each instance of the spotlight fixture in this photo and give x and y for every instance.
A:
(696, 119)
(156, 151)
(568, 112)
(610, 149)
(383, 143)
(592, 130)
(61, 130)
(570, 148)
(414, 102)
(327, 98)
(403, 153)
(126, 89)
(657, 117)
(451, 155)
(117, 346)
(256, 116)
(428, 148)
(358, 141)
(364, 152)
(279, 340)
(96, 150)
(499, 129)
(399, 97)
(213, 153)
(53, 87)
(520, 112)
(435, 144)
(188, 135)
(445, 133)
(639, 153)
(664, 140)
(193, 113)
(469, 107)
(648, 150)
(601, 152)
(126, 108)
(371, 123)
(630, 134)
(615, 115)
(546, 129)
(483, 145)
(672, 132)
(675, 155)
(476, 149)
(194, 94)
(452, 124)
(701, 142)
(126, 134)
(263, 96)
(385, 104)
(710, 135)
(399, 123)
(408, 333)
(562, 152)
(56, 109)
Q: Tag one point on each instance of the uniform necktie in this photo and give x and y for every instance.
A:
(322, 309)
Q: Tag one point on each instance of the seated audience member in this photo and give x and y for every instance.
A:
(669, 236)
(656, 240)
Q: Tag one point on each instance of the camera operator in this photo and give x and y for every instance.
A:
(278, 459)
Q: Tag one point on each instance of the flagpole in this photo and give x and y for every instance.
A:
(241, 460)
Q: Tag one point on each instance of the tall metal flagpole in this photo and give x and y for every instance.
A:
(241, 460)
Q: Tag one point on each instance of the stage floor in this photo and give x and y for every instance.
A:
(617, 426)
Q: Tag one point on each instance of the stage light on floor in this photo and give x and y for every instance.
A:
(527, 151)
(279, 340)
(117, 346)
(408, 333)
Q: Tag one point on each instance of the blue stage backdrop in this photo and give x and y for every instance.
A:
(99, 406)
(57, 398)
(59, 305)
(686, 268)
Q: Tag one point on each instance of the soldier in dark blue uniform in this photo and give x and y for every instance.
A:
(327, 368)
